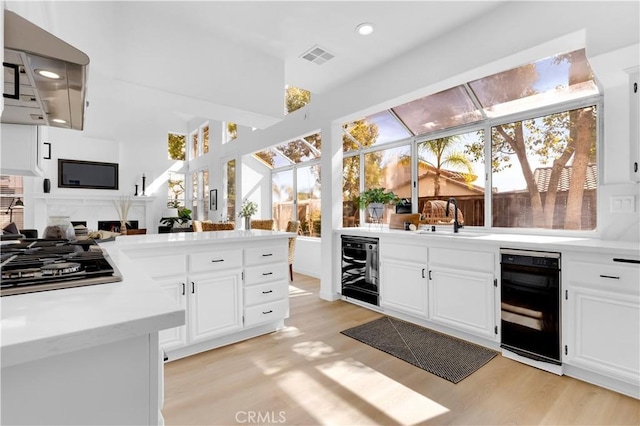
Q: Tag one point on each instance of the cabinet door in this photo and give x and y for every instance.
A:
(463, 300)
(20, 149)
(604, 332)
(403, 287)
(175, 287)
(634, 129)
(215, 305)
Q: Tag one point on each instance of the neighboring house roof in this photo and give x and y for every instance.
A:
(451, 175)
(543, 174)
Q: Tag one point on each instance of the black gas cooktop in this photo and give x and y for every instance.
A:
(32, 265)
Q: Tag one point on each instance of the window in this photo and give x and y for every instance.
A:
(308, 200)
(205, 139)
(295, 180)
(544, 171)
(282, 198)
(231, 132)
(230, 195)
(11, 190)
(296, 98)
(447, 168)
(350, 191)
(200, 194)
(176, 146)
(176, 190)
(194, 146)
(390, 169)
(477, 142)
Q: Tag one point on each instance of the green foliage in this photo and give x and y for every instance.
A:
(296, 98)
(376, 195)
(184, 216)
(176, 146)
(248, 209)
(361, 134)
(232, 131)
(443, 151)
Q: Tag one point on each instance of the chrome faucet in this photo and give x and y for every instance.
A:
(456, 225)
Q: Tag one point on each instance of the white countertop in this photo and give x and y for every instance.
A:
(197, 238)
(48, 323)
(38, 325)
(492, 240)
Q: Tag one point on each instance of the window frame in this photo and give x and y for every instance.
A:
(486, 125)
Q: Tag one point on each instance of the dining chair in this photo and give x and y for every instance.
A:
(292, 226)
(266, 224)
(225, 226)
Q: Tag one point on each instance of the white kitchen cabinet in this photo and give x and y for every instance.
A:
(229, 292)
(634, 121)
(601, 304)
(266, 284)
(21, 149)
(176, 288)
(462, 290)
(403, 278)
(215, 305)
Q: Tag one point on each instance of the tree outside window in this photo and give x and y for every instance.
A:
(296, 98)
(177, 146)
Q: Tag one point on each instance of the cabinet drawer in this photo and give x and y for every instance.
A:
(408, 253)
(470, 260)
(266, 312)
(163, 266)
(215, 260)
(265, 273)
(264, 293)
(606, 276)
(276, 252)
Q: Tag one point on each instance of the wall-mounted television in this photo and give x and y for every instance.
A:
(87, 174)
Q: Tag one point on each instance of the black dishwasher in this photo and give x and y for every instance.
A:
(360, 269)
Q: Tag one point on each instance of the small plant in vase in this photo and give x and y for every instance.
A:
(248, 209)
(374, 199)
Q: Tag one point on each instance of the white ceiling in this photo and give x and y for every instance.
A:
(286, 29)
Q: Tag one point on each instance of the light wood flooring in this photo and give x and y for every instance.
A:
(310, 374)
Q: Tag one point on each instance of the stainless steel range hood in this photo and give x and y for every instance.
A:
(30, 97)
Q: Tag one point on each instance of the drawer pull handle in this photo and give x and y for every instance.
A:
(193, 287)
(217, 260)
(267, 292)
(267, 254)
(268, 312)
(183, 289)
(622, 260)
(609, 276)
(267, 273)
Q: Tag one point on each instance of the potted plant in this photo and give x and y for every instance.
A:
(374, 199)
(183, 217)
(248, 209)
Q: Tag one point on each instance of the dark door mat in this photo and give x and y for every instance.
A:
(445, 356)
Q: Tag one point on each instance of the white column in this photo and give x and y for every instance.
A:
(331, 209)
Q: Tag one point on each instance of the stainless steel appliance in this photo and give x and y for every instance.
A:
(29, 266)
(360, 269)
(530, 305)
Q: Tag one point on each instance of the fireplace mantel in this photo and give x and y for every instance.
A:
(90, 208)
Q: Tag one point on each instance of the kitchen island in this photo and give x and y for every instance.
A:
(93, 354)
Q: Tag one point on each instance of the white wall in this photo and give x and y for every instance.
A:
(517, 33)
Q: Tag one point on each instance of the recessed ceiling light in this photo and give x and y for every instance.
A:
(59, 120)
(49, 74)
(365, 28)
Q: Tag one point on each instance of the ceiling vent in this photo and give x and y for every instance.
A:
(317, 55)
